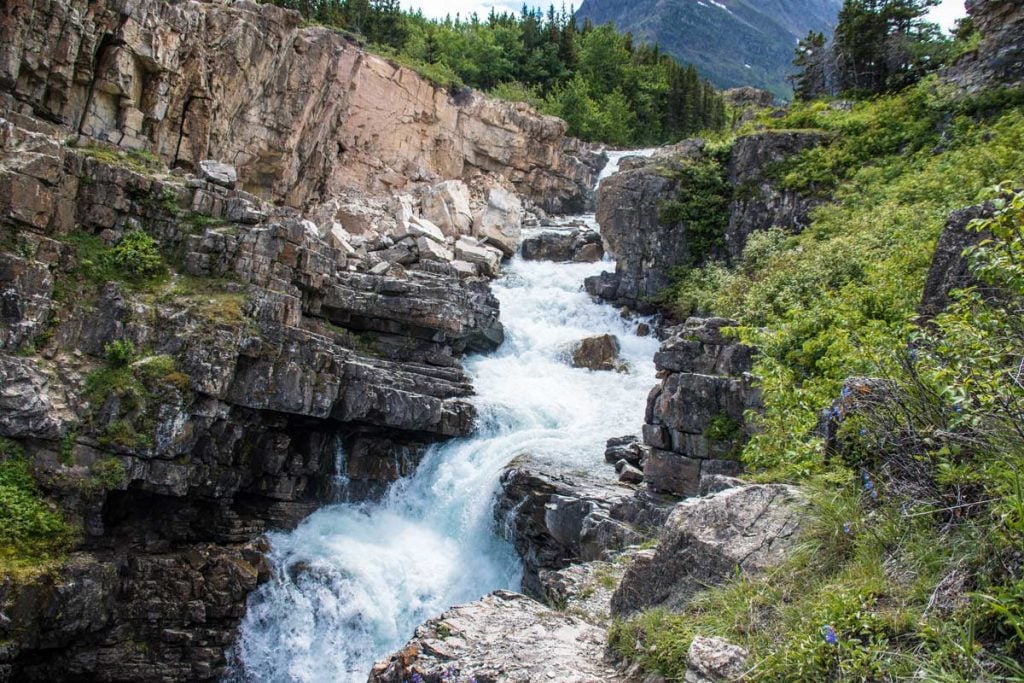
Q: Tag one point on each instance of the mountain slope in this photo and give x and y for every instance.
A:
(731, 42)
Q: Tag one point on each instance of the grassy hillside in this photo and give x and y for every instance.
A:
(911, 564)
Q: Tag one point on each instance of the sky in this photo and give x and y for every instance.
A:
(946, 14)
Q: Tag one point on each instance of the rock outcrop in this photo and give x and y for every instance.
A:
(554, 520)
(950, 269)
(302, 113)
(580, 245)
(504, 637)
(706, 540)
(695, 420)
(999, 57)
(646, 249)
(261, 357)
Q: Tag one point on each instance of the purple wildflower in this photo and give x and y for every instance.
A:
(829, 634)
(416, 678)
(847, 528)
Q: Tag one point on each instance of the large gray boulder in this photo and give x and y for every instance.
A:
(597, 353)
(706, 541)
(581, 246)
(502, 638)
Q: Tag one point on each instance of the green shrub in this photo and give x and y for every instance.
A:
(119, 352)
(31, 530)
(702, 205)
(134, 260)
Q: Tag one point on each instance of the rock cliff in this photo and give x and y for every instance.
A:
(999, 58)
(647, 245)
(303, 113)
(186, 366)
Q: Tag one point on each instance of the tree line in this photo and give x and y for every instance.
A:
(879, 46)
(608, 87)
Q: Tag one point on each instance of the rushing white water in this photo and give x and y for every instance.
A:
(352, 581)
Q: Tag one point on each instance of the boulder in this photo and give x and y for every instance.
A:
(486, 258)
(707, 540)
(503, 637)
(447, 205)
(597, 353)
(500, 223)
(431, 250)
(715, 660)
(578, 245)
(626, 448)
(219, 173)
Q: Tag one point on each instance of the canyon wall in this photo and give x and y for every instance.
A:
(303, 113)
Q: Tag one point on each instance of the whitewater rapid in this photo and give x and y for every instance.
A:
(353, 581)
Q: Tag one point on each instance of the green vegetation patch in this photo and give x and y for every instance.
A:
(135, 260)
(32, 531)
(139, 161)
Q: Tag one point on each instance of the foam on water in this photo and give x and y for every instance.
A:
(352, 582)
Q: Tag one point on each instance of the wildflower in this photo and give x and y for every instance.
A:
(847, 528)
(868, 484)
(829, 634)
(416, 678)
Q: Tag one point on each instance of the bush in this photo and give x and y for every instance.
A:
(119, 352)
(30, 528)
(138, 255)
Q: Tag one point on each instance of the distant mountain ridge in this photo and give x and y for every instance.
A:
(731, 42)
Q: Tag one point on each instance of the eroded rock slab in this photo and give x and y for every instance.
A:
(502, 638)
(706, 540)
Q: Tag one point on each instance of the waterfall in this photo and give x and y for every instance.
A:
(353, 581)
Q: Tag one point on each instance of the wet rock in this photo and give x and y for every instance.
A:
(487, 259)
(502, 637)
(582, 246)
(597, 353)
(218, 173)
(554, 520)
(705, 540)
(629, 474)
(626, 448)
(714, 660)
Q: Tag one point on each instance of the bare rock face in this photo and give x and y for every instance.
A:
(999, 58)
(695, 421)
(269, 361)
(646, 251)
(500, 223)
(504, 637)
(758, 202)
(950, 269)
(301, 113)
(706, 540)
(597, 353)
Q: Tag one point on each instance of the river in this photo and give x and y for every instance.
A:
(352, 582)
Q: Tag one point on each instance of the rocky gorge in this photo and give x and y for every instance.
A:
(300, 356)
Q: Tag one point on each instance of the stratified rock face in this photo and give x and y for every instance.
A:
(271, 361)
(706, 540)
(646, 251)
(553, 520)
(999, 59)
(502, 638)
(301, 113)
(695, 423)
